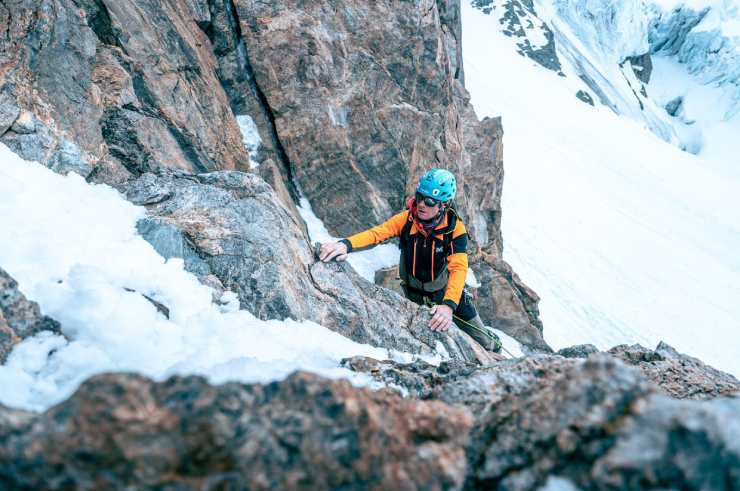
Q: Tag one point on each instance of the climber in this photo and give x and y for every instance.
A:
(434, 259)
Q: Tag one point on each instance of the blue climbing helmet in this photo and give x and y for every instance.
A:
(438, 184)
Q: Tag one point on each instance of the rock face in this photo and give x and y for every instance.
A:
(593, 424)
(671, 373)
(232, 226)
(362, 98)
(599, 425)
(113, 88)
(126, 432)
(350, 98)
(678, 375)
(19, 318)
(358, 99)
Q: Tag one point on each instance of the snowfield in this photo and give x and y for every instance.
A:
(626, 238)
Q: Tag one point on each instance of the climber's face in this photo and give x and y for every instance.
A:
(426, 208)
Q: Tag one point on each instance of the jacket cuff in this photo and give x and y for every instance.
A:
(450, 304)
(348, 244)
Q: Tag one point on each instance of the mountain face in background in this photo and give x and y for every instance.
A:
(610, 47)
(621, 200)
(220, 122)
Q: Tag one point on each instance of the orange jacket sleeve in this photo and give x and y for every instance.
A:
(457, 265)
(380, 233)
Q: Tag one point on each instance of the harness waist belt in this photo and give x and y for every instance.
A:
(439, 283)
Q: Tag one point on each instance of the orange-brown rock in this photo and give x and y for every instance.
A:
(127, 432)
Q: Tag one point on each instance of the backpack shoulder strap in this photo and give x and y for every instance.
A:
(406, 230)
(447, 236)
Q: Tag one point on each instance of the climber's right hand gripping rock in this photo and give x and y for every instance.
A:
(333, 251)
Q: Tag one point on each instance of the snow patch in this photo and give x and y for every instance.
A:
(471, 280)
(250, 138)
(76, 252)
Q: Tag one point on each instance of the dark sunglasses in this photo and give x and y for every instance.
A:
(430, 202)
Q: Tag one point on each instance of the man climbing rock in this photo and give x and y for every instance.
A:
(434, 259)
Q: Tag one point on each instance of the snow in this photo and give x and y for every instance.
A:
(613, 29)
(366, 262)
(73, 248)
(471, 280)
(626, 238)
(511, 346)
(556, 483)
(250, 137)
(593, 38)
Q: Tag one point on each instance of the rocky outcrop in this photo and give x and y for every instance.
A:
(587, 424)
(678, 375)
(232, 226)
(673, 374)
(578, 351)
(111, 89)
(642, 66)
(19, 317)
(599, 425)
(127, 432)
(455, 382)
(462, 383)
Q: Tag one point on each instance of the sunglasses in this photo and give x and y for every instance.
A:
(431, 202)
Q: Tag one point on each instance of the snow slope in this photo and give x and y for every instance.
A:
(73, 247)
(595, 39)
(626, 238)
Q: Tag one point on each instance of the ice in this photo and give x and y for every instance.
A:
(625, 238)
(612, 29)
(703, 113)
(73, 248)
(594, 39)
(705, 37)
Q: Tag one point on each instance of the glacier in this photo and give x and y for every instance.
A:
(606, 50)
(705, 38)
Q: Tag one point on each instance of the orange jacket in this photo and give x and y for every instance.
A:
(423, 266)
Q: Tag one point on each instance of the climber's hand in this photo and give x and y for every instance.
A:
(333, 251)
(441, 318)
